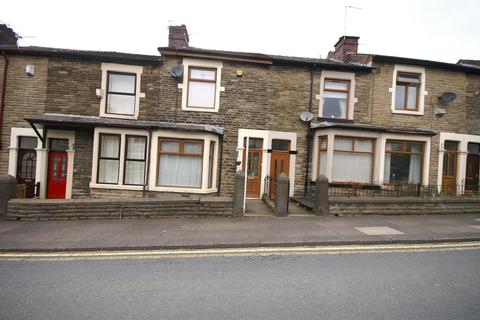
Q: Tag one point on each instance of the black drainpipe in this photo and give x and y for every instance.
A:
(220, 165)
(4, 90)
(309, 135)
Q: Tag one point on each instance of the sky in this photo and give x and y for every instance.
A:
(442, 30)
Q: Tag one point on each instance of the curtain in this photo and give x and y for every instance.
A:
(110, 146)
(121, 104)
(176, 170)
(134, 172)
(201, 94)
(414, 170)
(108, 171)
(322, 168)
(352, 167)
(386, 170)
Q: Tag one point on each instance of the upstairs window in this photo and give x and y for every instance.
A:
(407, 91)
(121, 93)
(335, 98)
(201, 87)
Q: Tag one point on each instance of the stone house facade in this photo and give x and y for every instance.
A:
(105, 124)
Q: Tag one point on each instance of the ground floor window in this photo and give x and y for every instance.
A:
(109, 158)
(403, 162)
(322, 155)
(135, 157)
(180, 163)
(353, 159)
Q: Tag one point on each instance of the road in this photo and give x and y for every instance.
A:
(383, 282)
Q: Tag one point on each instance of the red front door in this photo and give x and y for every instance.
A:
(57, 175)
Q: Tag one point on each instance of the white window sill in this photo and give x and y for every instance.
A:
(115, 186)
(183, 190)
(118, 116)
(200, 109)
(413, 113)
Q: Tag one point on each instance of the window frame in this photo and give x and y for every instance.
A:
(184, 86)
(211, 158)
(114, 68)
(125, 159)
(351, 100)
(99, 156)
(181, 152)
(407, 86)
(347, 91)
(421, 91)
(190, 80)
(405, 151)
(372, 153)
(107, 92)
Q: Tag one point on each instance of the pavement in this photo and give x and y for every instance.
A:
(250, 231)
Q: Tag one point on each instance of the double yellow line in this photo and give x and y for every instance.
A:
(234, 252)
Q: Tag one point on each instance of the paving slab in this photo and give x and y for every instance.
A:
(233, 232)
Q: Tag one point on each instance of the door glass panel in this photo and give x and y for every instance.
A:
(253, 162)
(27, 143)
(283, 145)
(451, 165)
(64, 167)
(450, 145)
(255, 143)
(55, 167)
(58, 144)
(474, 148)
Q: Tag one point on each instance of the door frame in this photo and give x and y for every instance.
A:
(49, 167)
(58, 134)
(267, 137)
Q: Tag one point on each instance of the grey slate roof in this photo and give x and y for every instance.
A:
(371, 127)
(79, 121)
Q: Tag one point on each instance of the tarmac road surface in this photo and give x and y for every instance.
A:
(438, 281)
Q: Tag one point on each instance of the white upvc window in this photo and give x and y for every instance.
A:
(337, 90)
(184, 162)
(119, 158)
(408, 90)
(201, 85)
(120, 91)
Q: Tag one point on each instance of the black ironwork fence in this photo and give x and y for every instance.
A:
(401, 190)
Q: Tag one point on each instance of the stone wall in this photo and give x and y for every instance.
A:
(28, 209)
(401, 206)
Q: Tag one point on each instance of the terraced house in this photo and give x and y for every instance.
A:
(105, 124)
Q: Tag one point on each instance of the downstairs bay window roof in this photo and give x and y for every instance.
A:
(88, 122)
(371, 127)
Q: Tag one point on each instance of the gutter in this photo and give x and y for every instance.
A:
(4, 90)
(309, 136)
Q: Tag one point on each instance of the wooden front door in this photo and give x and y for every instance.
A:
(471, 177)
(26, 166)
(254, 169)
(279, 162)
(449, 176)
(57, 174)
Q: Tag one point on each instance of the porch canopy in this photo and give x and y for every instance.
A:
(371, 127)
(79, 122)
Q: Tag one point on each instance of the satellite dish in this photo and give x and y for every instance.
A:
(176, 71)
(306, 116)
(447, 97)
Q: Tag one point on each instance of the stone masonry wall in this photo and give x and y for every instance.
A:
(25, 96)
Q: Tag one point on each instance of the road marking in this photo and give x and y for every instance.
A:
(476, 227)
(261, 251)
(378, 231)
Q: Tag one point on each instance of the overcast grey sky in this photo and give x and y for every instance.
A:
(443, 30)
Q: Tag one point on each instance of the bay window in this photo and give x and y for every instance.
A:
(180, 163)
(108, 159)
(322, 155)
(353, 159)
(403, 162)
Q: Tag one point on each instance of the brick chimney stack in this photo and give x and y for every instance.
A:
(7, 36)
(178, 37)
(344, 46)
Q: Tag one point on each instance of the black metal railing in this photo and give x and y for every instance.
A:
(400, 190)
